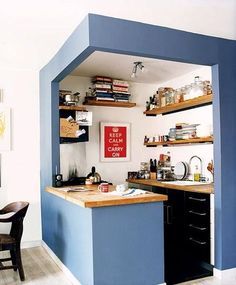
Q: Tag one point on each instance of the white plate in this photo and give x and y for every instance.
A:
(181, 170)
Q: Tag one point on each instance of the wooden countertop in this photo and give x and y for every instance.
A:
(206, 188)
(94, 198)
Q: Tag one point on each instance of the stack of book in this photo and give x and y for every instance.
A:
(102, 88)
(108, 89)
(120, 90)
(185, 131)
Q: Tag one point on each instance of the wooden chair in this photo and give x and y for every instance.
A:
(12, 240)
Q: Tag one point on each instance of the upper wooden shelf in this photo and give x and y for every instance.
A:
(180, 142)
(109, 103)
(188, 104)
(72, 108)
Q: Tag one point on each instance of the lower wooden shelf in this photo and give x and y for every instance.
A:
(72, 108)
(109, 103)
(180, 142)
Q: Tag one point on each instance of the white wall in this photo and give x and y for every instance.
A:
(32, 31)
(20, 171)
(141, 125)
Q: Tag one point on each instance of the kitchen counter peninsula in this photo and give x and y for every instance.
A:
(105, 239)
(203, 188)
(94, 198)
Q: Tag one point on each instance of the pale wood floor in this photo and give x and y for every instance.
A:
(40, 269)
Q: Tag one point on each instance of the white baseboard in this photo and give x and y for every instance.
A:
(29, 244)
(229, 274)
(63, 268)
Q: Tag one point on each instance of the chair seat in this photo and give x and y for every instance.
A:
(6, 239)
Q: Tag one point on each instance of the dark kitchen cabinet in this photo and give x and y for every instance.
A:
(197, 235)
(186, 235)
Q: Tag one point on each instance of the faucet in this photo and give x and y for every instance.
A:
(190, 161)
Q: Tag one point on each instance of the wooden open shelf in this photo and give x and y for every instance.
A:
(180, 142)
(109, 103)
(72, 108)
(188, 104)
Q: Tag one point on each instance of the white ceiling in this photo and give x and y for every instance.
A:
(120, 66)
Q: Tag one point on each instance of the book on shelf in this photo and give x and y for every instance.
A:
(101, 79)
(102, 86)
(121, 93)
(121, 89)
(105, 95)
(105, 99)
(121, 83)
(122, 100)
(102, 90)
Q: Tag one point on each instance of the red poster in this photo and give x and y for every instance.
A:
(115, 142)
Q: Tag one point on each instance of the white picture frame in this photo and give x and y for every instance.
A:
(114, 142)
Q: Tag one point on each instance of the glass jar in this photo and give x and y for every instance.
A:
(187, 92)
(197, 88)
(170, 96)
(178, 96)
(183, 92)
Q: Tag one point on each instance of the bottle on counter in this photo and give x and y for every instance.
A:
(196, 176)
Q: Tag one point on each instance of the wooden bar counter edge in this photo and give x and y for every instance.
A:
(93, 198)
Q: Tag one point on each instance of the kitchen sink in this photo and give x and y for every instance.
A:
(185, 183)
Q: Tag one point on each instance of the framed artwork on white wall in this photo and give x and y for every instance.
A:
(114, 142)
(5, 128)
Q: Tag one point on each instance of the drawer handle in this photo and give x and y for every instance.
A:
(197, 241)
(197, 213)
(196, 227)
(197, 199)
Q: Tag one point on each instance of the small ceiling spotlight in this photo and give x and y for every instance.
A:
(137, 64)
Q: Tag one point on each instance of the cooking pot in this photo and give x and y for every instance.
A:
(72, 99)
(94, 176)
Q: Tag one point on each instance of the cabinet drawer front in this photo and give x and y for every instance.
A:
(198, 219)
(198, 232)
(197, 204)
(200, 249)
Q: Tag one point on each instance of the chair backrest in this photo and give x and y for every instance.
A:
(20, 209)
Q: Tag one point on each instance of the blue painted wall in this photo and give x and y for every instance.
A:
(127, 37)
(126, 243)
(69, 234)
